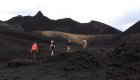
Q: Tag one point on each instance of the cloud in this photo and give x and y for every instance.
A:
(116, 13)
(126, 20)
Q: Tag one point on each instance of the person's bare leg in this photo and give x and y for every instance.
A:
(68, 50)
(52, 53)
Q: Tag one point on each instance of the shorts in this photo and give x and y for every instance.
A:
(34, 51)
(52, 47)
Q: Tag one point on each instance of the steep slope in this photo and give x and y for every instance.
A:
(133, 29)
(4, 27)
(16, 31)
(127, 47)
(100, 28)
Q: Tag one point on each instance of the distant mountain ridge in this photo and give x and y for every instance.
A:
(39, 22)
(133, 29)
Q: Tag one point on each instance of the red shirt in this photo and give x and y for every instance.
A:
(34, 47)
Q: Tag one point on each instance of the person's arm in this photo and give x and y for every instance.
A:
(54, 46)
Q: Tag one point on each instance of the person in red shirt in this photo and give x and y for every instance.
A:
(34, 49)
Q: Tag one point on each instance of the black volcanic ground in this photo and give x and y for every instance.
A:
(115, 59)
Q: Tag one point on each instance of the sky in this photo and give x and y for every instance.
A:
(120, 14)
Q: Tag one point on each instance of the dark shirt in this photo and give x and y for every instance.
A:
(69, 44)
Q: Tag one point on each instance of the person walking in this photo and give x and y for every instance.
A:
(69, 45)
(84, 43)
(34, 50)
(52, 47)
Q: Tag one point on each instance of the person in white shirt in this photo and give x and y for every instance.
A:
(84, 43)
(52, 47)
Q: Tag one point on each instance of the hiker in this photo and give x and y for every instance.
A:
(52, 46)
(84, 43)
(34, 49)
(69, 45)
